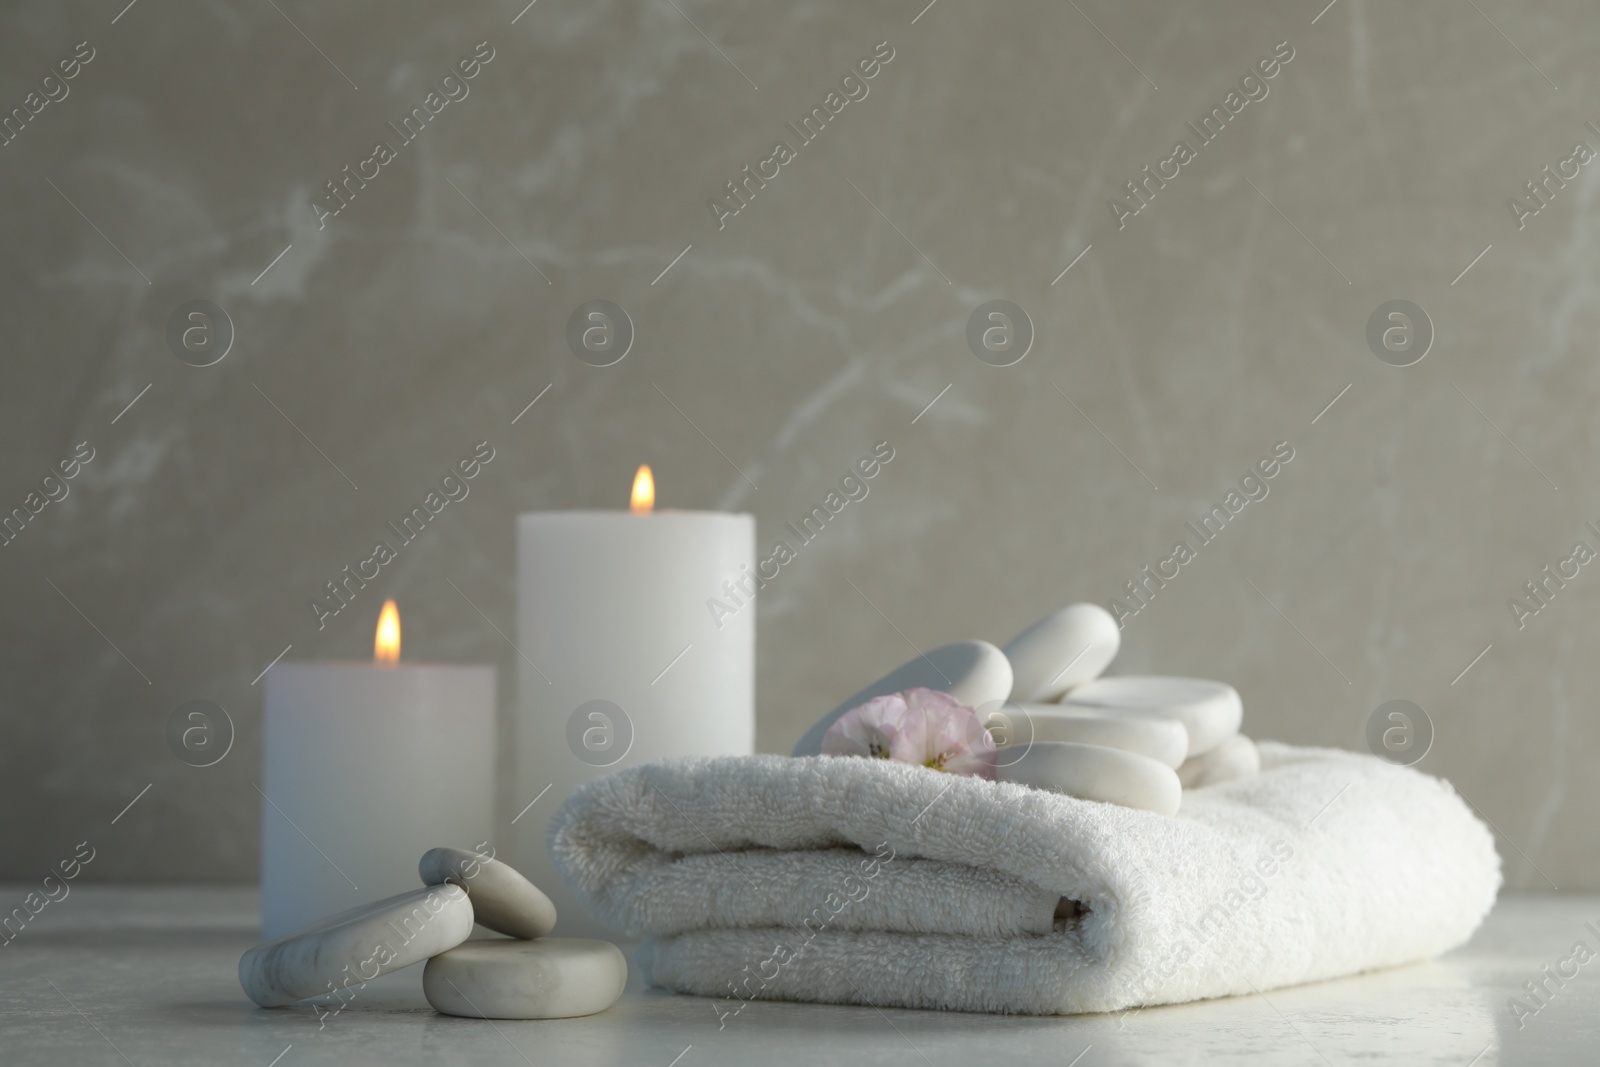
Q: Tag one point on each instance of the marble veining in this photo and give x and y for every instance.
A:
(1226, 315)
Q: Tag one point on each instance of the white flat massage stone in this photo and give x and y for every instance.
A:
(1234, 757)
(1061, 651)
(974, 672)
(1161, 738)
(1209, 710)
(553, 978)
(1093, 772)
(502, 899)
(356, 946)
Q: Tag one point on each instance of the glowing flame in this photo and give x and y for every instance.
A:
(386, 646)
(644, 491)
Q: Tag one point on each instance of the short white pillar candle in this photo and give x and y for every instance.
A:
(366, 766)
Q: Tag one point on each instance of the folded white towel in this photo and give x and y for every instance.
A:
(869, 882)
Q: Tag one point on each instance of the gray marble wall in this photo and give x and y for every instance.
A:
(373, 347)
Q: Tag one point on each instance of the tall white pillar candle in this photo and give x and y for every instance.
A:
(623, 658)
(365, 768)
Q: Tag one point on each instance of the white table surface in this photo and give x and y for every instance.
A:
(147, 975)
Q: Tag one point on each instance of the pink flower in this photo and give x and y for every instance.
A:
(920, 726)
(870, 729)
(945, 734)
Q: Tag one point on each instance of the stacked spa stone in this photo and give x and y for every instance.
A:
(1138, 741)
(1069, 714)
(524, 975)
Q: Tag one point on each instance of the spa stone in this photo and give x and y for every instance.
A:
(974, 672)
(1061, 651)
(1014, 726)
(1235, 757)
(502, 899)
(553, 978)
(1209, 710)
(1093, 772)
(353, 947)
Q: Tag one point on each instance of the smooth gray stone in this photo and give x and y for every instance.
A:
(974, 672)
(1014, 726)
(353, 947)
(1093, 772)
(1209, 710)
(1234, 757)
(1062, 651)
(553, 978)
(502, 899)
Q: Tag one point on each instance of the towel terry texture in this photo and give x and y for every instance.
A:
(858, 881)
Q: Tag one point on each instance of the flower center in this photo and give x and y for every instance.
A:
(936, 761)
(878, 750)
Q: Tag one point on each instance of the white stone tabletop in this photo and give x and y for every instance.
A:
(146, 975)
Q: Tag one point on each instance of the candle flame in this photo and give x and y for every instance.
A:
(386, 646)
(644, 491)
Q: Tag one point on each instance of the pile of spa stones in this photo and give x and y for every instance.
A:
(1135, 740)
(524, 975)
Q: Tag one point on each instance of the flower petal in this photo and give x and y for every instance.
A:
(869, 729)
(945, 734)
